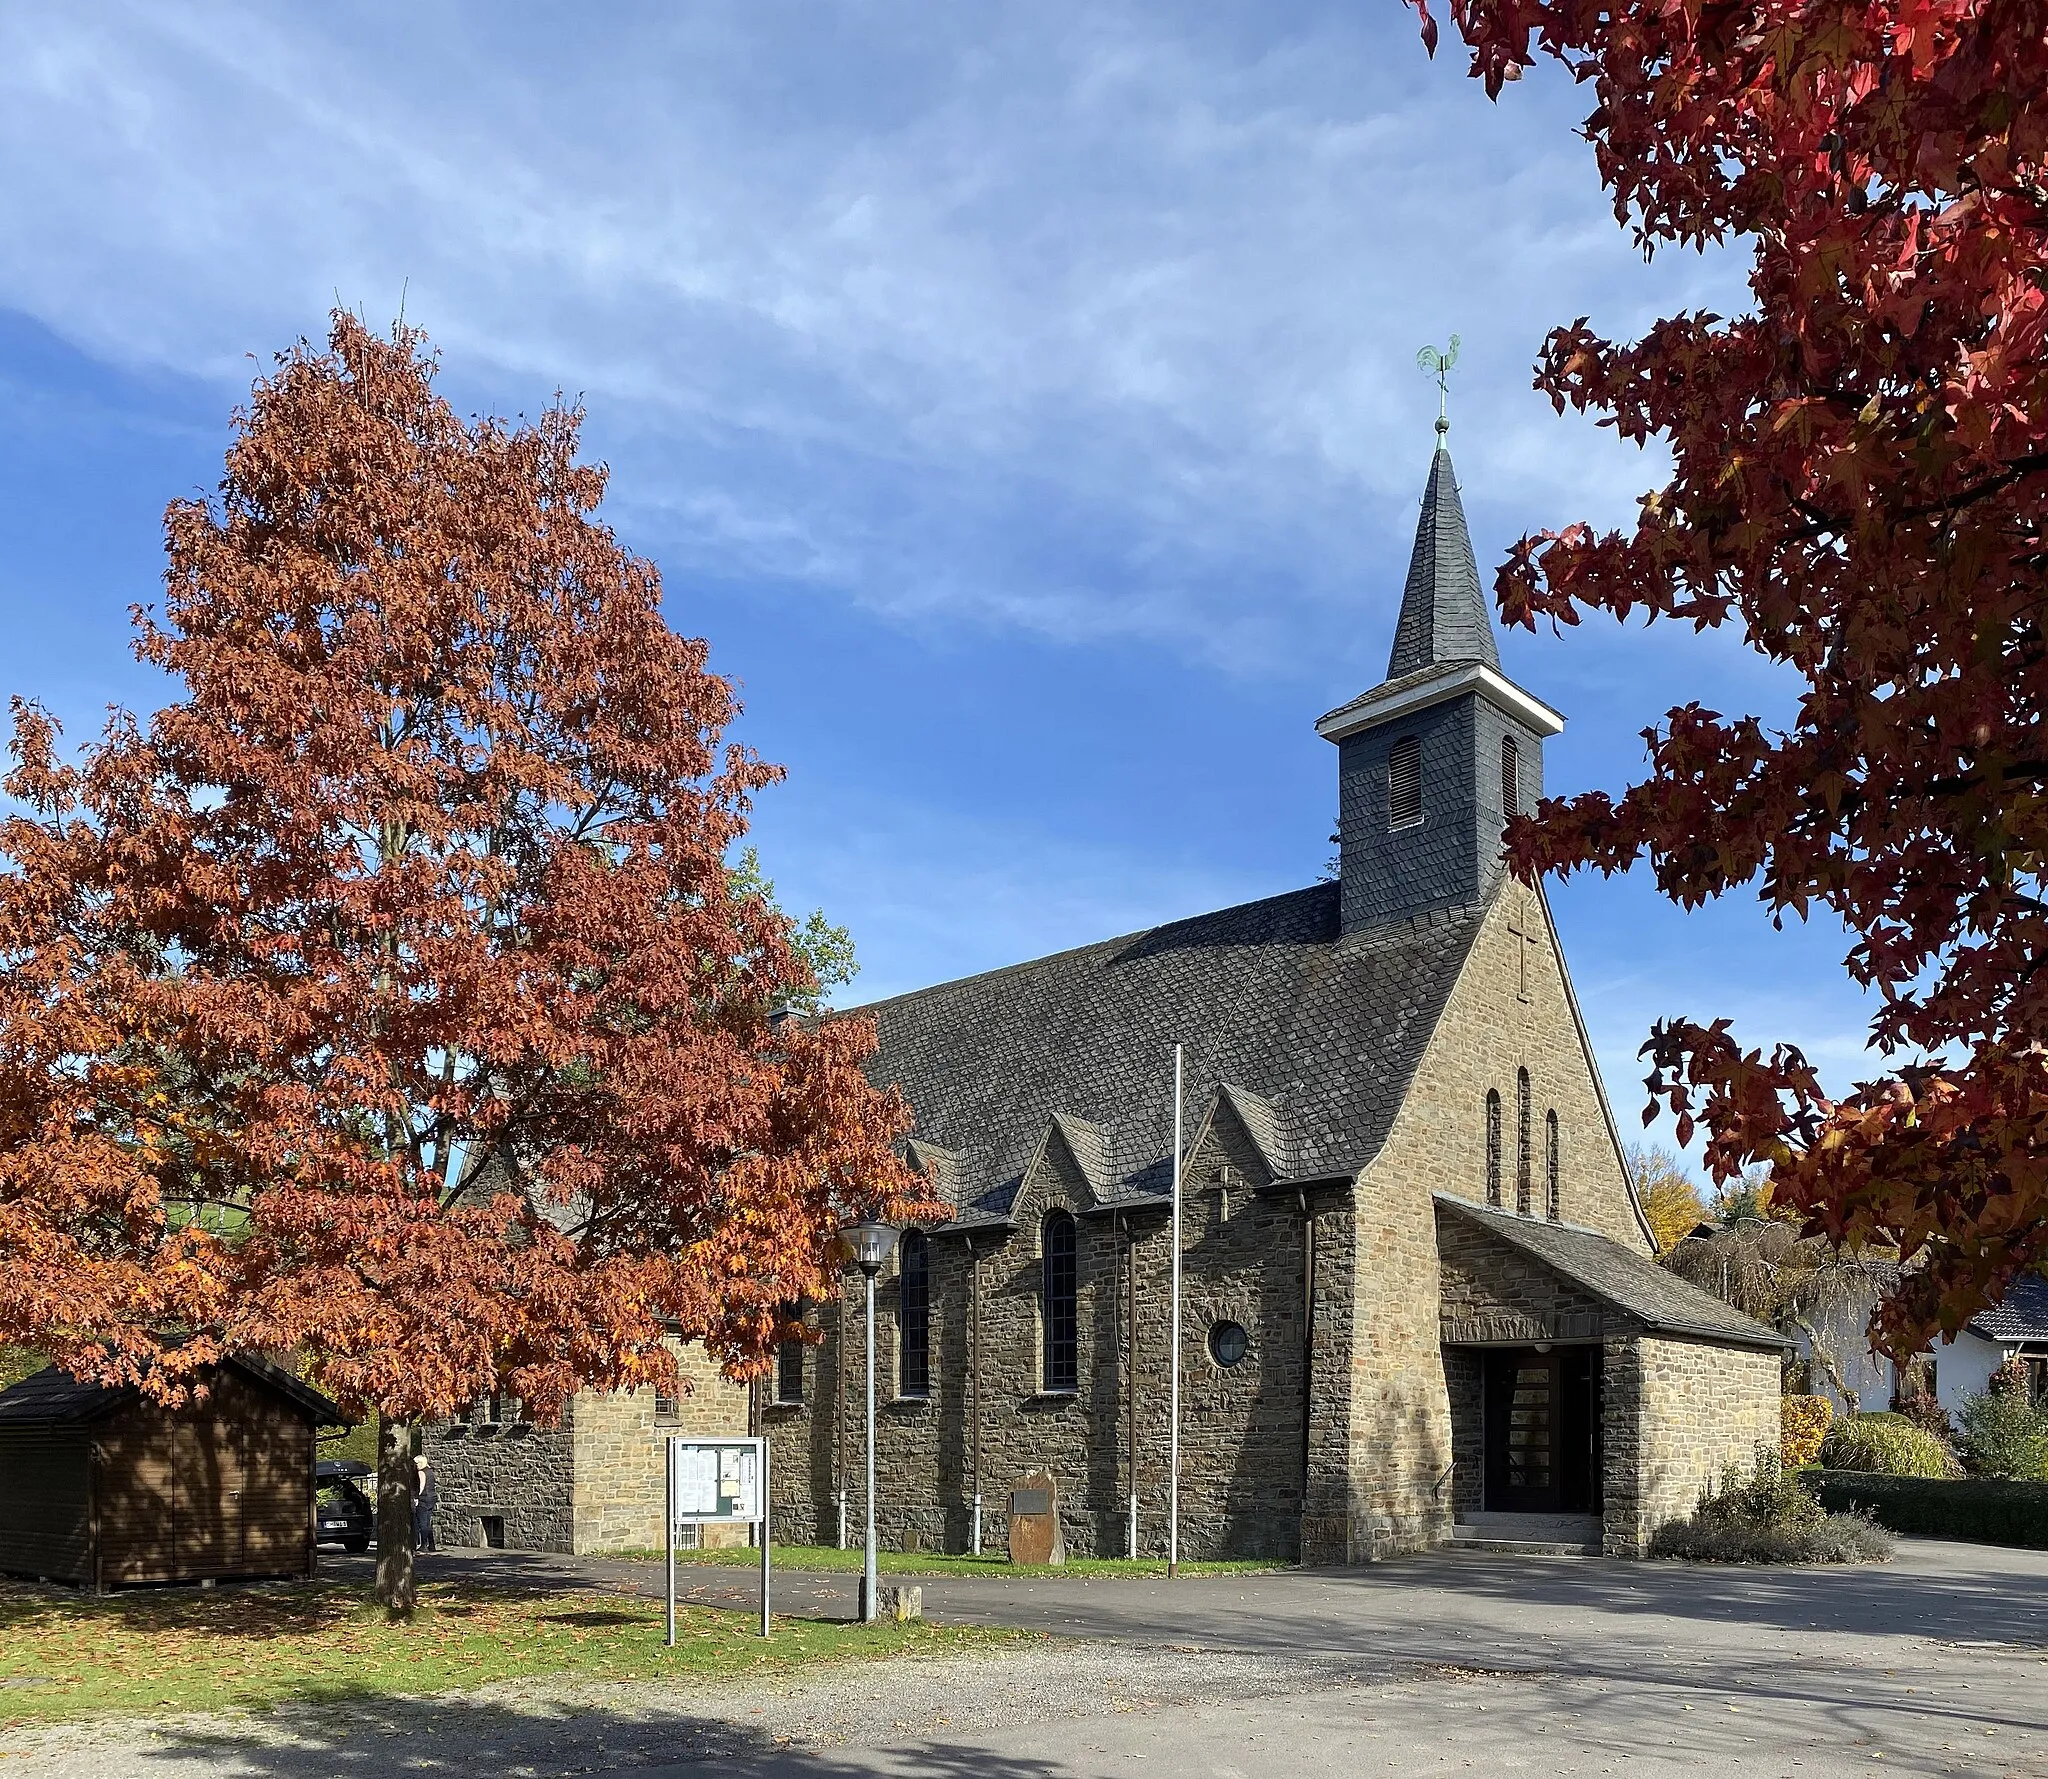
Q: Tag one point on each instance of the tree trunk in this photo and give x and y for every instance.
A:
(397, 1587)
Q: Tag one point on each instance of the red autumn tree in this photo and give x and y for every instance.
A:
(1860, 483)
(390, 999)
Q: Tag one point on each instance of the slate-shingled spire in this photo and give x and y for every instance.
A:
(1444, 614)
(1431, 761)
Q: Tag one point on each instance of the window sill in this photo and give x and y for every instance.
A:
(1053, 1397)
(781, 1406)
(908, 1404)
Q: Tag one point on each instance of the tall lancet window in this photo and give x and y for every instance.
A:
(789, 1361)
(1510, 776)
(1493, 1146)
(1522, 1142)
(1404, 782)
(914, 1315)
(1059, 1305)
(1552, 1209)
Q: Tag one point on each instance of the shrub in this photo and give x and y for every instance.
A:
(1838, 1538)
(1803, 1424)
(2003, 1435)
(1980, 1510)
(1768, 1518)
(1926, 1413)
(1886, 1445)
(2010, 1379)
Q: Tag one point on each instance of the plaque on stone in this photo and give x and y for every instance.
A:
(1035, 1535)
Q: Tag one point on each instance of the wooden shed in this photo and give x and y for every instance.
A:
(102, 1487)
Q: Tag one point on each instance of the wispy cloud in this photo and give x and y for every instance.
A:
(1083, 321)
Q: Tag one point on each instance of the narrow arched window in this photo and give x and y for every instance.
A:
(1404, 782)
(1552, 1209)
(914, 1316)
(1522, 1142)
(1059, 1308)
(789, 1361)
(1510, 776)
(1492, 1146)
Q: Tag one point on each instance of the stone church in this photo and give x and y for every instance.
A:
(1418, 1298)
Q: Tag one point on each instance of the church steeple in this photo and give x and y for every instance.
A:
(1444, 615)
(1434, 759)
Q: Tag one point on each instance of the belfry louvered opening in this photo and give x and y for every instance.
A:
(1404, 782)
(1510, 776)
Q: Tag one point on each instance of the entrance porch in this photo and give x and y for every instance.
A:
(1592, 1395)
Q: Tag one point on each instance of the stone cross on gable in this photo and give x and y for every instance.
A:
(1527, 926)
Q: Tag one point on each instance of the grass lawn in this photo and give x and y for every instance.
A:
(159, 1652)
(904, 1562)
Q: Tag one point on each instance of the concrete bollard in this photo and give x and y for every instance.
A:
(902, 1603)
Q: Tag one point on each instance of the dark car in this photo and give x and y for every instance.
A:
(343, 1513)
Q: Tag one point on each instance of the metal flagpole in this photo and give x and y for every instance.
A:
(764, 1533)
(1173, 1411)
(669, 1540)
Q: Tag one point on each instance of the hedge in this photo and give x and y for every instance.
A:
(1977, 1509)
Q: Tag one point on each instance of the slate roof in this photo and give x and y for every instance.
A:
(1444, 614)
(1619, 1276)
(2022, 1316)
(1319, 1035)
(52, 1397)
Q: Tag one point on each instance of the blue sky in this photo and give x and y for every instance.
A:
(1021, 398)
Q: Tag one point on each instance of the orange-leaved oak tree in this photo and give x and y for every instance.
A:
(1860, 485)
(392, 999)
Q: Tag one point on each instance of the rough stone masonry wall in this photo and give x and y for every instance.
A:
(592, 1483)
(618, 1440)
(1493, 1293)
(1508, 1011)
(1676, 1413)
(518, 1472)
(1243, 1443)
(1491, 1028)
(1399, 1460)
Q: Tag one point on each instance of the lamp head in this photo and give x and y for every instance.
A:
(871, 1243)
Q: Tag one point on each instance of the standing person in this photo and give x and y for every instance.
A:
(423, 1500)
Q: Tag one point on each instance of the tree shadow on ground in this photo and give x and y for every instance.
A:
(471, 1735)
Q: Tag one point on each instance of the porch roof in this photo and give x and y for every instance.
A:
(1620, 1277)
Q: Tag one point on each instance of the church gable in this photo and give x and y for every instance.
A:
(1071, 1165)
(1507, 1108)
(1239, 1143)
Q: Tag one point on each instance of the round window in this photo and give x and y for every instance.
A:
(1228, 1343)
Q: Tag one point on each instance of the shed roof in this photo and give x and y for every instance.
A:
(53, 1397)
(1619, 1276)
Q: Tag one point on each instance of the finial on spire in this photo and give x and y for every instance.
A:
(1438, 365)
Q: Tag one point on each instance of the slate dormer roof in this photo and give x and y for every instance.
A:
(1265, 1122)
(1444, 614)
(1317, 1036)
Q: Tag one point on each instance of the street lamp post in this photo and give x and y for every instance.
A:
(871, 1245)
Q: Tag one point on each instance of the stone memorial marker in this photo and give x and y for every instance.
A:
(1035, 1535)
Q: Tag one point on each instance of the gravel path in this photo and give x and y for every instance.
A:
(543, 1729)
